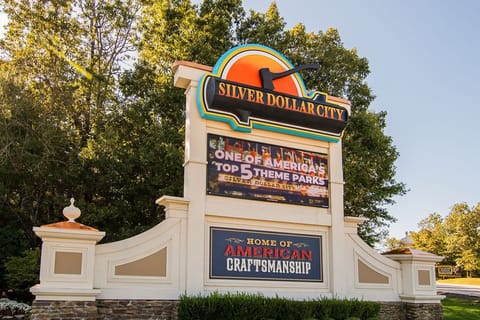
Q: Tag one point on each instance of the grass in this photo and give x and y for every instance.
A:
(457, 307)
(466, 281)
(461, 309)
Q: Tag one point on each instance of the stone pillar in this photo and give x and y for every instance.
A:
(67, 260)
(419, 290)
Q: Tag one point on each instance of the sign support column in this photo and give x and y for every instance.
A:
(186, 76)
(337, 237)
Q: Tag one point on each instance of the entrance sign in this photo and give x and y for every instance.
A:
(301, 247)
(257, 255)
(253, 86)
(259, 171)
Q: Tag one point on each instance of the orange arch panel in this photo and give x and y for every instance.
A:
(246, 70)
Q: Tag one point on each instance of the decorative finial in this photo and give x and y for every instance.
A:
(71, 212)
(407, 241)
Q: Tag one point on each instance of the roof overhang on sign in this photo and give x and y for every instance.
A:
(253, 86)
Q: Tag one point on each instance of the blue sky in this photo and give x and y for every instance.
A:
(424, 59)
(425, 70)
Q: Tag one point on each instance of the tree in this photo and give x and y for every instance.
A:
(456, 237)
(33, 151)
(469, 260)
(431, 236)
(264, 28)
(392, 243)
(64, 58)
(462, 236)
(58, 94)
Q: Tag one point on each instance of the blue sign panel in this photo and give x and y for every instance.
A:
(259, 171)
(261, 255)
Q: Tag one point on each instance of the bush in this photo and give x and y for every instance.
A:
(11, 308)
(257, 307)
(22, 272)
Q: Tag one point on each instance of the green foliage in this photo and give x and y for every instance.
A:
(12, 241)
(456, 237)
(469, 260)
(247, 306)
(63, 129)
(369, 171)
(392, 243)
(265, 28)
(460, 309)
(431, 236)
(22, 272)
(177, 30)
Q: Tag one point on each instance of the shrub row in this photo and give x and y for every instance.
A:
(257, 307)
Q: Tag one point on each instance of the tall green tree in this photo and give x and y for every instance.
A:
(263, 28)
(462, 226)
(59, 84)
(66, 58)
(456, 237)
(31, 151)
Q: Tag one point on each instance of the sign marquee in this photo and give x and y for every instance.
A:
(259, 171)
(261, 255)
(243, 91)
(253, 86)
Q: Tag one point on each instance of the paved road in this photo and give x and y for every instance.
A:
(472, 291)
